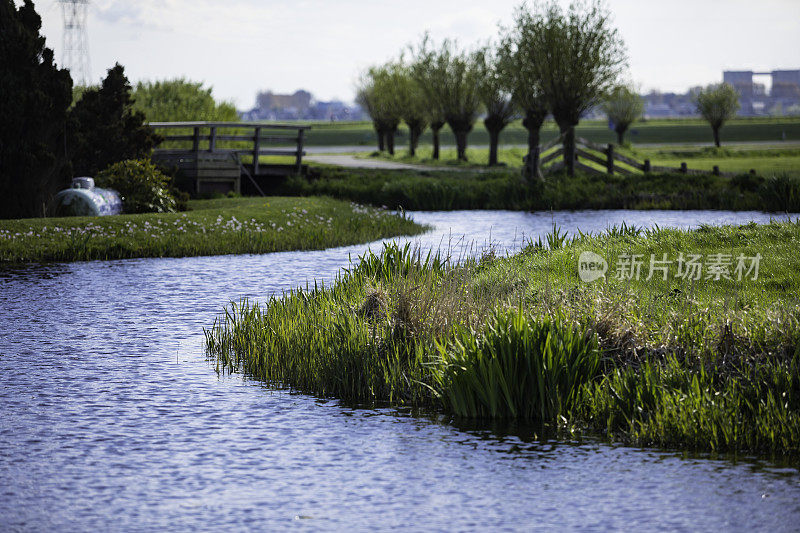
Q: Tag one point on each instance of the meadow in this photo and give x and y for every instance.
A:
(210, 227)
(683, 130)
(697, 347)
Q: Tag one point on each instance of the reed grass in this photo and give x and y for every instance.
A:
(211, 227)
(672, 362)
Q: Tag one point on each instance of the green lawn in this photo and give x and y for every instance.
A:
(210, 227)
(651, 131)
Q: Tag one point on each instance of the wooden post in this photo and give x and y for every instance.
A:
(256, 149)
(196, 140)
(610, 159)
(716, 170)
(647, 165)
(212, 139)
(300, 150)
(684, 168)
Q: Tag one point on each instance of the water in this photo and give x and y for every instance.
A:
(112, 419)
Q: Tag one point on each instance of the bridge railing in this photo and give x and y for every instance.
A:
(244, 138)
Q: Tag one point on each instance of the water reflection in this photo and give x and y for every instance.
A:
(112, 418)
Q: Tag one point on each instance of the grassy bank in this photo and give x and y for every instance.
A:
(504, 189)
(211, 227)
(651, 131)
(765, 160)
(702, 364)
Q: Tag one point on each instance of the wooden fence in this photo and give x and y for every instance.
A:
(610, 160)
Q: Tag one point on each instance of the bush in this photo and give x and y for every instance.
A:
(144, 188)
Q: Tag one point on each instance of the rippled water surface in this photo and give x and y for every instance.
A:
(113, 420)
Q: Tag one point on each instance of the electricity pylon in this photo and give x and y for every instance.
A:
(75, 54)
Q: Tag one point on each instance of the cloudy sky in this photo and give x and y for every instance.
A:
(242, 46)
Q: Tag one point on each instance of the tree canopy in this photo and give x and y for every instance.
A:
(717, 104)
(379, 94)
(623, 106)
(179, 100)
(33, 109)
(495, 93)
(104, 128)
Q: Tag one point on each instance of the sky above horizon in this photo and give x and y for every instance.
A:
(240, 47)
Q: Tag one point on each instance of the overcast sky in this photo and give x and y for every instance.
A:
(242, 46)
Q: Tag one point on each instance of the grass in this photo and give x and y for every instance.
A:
(211, 227)
(504, 189)
(701, 364)
(764, 160)
(685, 130)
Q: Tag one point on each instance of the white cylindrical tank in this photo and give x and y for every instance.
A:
(84, 199)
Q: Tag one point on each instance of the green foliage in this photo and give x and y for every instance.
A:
(104, 128)
(504, 189)
(717, 104)
(34, 97)
(754, 409)
(143, 188)
(623, 106)
(576, 55)
(180, 100)
(518, 367)
(702, 364)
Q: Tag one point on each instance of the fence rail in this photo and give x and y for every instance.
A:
(206, 135)
(609, 159)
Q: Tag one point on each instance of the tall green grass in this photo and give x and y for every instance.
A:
(702, 364)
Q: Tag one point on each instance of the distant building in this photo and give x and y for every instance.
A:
(300, 105)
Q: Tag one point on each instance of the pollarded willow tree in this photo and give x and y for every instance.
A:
(495, 96)
(717, 104)
(378, 94)
(515, 62)
(413, 105)
(622, 106)
(578, 56)
(429, 69)
(451, 78)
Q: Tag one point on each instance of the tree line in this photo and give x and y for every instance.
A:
(52, 131)
(552, 61)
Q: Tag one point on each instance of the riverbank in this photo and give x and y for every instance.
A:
(505, 189)
(210, 227)
(704, 364)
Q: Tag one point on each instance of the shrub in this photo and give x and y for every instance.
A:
(144, 188)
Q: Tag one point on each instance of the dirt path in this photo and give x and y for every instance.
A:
(349, 161)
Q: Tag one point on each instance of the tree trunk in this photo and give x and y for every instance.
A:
(620, 135)
(435, 127)
(716, 136)
(413, 140)
(494, 140)
(569, 150)
(379, 132)
(461, 144)
(533, 123)
(390, 141)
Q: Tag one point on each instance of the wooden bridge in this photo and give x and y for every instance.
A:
(216, 156)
